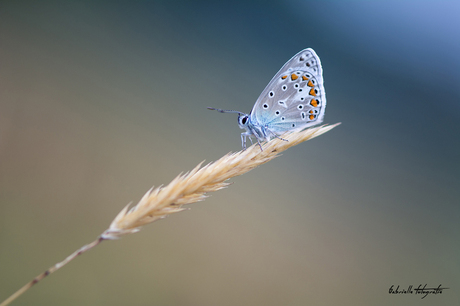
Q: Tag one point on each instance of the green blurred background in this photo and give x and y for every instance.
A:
(100, 100)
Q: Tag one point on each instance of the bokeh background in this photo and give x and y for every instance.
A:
(100, 100)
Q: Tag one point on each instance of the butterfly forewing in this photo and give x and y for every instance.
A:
(295, 98)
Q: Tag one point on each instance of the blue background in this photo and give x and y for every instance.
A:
(100, 100)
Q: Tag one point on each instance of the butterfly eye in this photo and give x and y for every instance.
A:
(244, 120)
(265, 105)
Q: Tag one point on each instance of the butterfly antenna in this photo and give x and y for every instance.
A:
(226, 110)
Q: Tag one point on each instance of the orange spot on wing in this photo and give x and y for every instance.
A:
(284, 77)
(312, 92)
(314, 103)
(312, 117)
(294, 76)
(310, 83)
(304, 78)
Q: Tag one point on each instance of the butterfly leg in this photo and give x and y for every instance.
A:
(243, 140)
(259, 144)
(281, 138)
(251, 140)
(276, 136)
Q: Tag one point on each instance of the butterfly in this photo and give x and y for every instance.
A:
(293, 100)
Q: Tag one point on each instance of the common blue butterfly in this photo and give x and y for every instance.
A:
(293, 100)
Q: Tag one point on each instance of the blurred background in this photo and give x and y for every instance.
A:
(101, 100)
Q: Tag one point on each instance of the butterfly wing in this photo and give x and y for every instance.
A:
(295, 98)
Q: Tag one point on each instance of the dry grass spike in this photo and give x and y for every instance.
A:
(185, 189)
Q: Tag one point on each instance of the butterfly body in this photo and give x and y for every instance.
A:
(292, 101)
